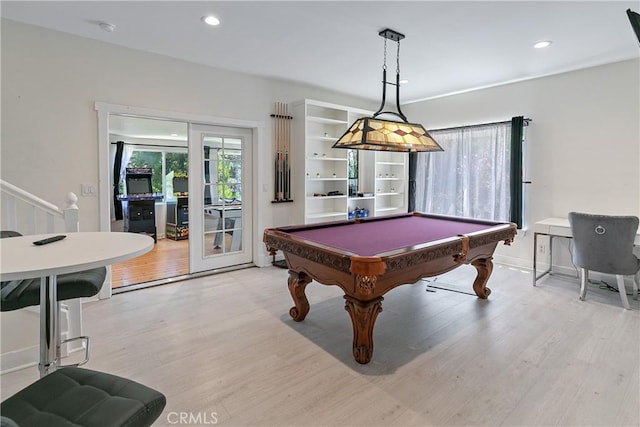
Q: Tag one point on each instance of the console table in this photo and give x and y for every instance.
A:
(553, 227)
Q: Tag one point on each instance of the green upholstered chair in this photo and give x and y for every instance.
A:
(73, 397)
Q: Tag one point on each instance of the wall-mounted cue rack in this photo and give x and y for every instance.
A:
(282, 139)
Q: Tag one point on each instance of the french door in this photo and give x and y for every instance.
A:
(220, 194)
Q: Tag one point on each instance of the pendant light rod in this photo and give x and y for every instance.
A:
(373, 133)
(395, 36)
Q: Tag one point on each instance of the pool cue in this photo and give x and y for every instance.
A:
(275, 138)
(282, 142)
(281, 145)
(289, 123)
(287, 170)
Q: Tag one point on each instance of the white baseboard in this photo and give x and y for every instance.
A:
(265, 260)
(30, 356)
(515, 262)
(19, 359)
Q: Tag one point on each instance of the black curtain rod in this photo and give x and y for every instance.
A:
(151, 145)
(526, 123)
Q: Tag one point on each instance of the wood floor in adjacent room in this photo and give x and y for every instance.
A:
(225, 346)
(168, 258)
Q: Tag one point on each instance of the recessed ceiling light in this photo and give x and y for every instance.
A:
(211, 20)
(109, 28)
(174, 134)
(404, 81)
(542, 44)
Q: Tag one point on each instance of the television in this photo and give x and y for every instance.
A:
(180, 185)
(138, 185)
(634, 19)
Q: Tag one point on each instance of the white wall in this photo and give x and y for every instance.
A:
(49, 146)
(583, 145)
(51, 80)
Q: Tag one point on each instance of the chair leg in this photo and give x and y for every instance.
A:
(636, 278)
(583, 283)
(58, 334)
(622, 291)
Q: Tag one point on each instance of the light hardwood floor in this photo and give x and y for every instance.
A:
(168, 258)
(225, 344)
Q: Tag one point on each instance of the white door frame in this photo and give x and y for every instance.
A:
(105, 198)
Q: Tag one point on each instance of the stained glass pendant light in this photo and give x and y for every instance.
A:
(374, 133)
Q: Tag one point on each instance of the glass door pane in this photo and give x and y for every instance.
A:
(222, 195)
(226, 185)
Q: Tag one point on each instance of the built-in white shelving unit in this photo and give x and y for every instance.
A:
(391, 177)
(326, 170)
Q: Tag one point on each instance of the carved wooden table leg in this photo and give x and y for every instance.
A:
(363, 317)
(297, 282)
(484, 267)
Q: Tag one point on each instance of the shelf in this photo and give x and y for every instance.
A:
(325, 120)
(325, 197)
(334, 159)
(390, 163)
(326, 215)
(324, 138)
(388, 209)
(321, 125)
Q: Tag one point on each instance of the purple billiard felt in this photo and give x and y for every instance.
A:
(376, 237)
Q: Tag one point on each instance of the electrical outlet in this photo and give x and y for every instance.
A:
(89, 190)
(542, 248)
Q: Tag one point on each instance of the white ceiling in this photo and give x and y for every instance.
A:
(449, 47)
(148, 129)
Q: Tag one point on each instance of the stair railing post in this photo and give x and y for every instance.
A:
(71, 213)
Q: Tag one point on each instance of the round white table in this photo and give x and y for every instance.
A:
(21, 259)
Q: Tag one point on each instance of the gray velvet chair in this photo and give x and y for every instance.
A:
(604, 243)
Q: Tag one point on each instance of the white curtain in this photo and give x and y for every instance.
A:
(126, 156)
(471, 178)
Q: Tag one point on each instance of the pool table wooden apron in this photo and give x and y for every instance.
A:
(366, 278)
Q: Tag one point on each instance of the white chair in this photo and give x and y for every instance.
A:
(604, 243)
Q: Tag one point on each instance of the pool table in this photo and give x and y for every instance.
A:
(368, 257)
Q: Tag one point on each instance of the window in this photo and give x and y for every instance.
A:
(474, 176)
(222, 170)
(162, 162)
(149, 159)
(176, 168)
(229, 174)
